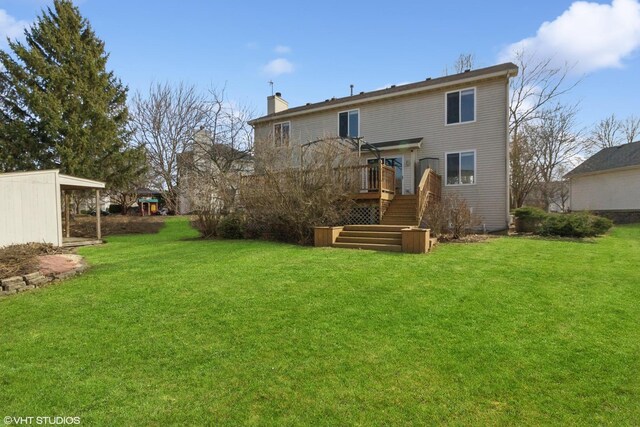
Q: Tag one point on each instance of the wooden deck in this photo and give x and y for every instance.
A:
(400, 216)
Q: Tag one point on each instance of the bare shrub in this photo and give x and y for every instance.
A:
(286, 203)
(211, 170)
(452, 216)
(436, 217)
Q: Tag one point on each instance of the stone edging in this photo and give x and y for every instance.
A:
(27, 282)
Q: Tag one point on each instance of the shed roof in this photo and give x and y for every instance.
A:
(65, 181)
(621, 156)
(73, 182)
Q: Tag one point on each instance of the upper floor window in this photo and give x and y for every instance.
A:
(281, 133)
(349, 124)
(461, 168)
(461, 106)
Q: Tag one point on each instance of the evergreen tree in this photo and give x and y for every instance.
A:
(60, 107)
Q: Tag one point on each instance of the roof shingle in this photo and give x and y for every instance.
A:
(617, 157)
(507, 67)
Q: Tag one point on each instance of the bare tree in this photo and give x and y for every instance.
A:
(220, 156)
(524, 170)
(555, 143)
(465, 61)
(631, 129)
(606, 133)
(226, 137)
(165, 122)
(538, 84)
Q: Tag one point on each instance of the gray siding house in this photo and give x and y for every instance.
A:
(455, 125)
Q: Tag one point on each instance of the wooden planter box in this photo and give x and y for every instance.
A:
(415, 240)
(325, 236)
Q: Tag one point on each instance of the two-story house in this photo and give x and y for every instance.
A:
(455, 125)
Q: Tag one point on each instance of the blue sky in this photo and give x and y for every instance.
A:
(315, 50)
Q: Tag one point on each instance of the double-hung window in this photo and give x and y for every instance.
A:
(461, 168)
(461, 106)
(349, 124)
(281, 133)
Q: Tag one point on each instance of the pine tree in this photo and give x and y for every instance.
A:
(59, 106)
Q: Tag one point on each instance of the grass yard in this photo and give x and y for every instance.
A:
(167, 330)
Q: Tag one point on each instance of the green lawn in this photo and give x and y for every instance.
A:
(167, 330)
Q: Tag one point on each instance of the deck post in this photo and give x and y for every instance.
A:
(67, 214)
(98, 229)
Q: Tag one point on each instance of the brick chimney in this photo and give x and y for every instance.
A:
(275, 103)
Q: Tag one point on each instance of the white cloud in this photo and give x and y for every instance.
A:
(282, 50)
(590, 35)
(251, 45)
(278, 66)
(10, 27)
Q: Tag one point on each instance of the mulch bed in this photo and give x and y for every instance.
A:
(16, 260)
(85, 225)
(471, 238)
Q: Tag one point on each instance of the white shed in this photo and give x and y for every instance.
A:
(31, 206)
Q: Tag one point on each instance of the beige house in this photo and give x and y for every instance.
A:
(455, 127)
(208, 159)
(32, 207)
(608, 183)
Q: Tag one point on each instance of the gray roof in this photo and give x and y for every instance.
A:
(610, 158)
(507, 67)
(396, 144)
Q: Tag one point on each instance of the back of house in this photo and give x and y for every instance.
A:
(455, 125)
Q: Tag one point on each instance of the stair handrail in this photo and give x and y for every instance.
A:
(428, 189)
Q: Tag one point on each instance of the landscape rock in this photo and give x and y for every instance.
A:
(52, 267)
(12, 281)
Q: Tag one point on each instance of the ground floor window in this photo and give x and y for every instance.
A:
(461, 168)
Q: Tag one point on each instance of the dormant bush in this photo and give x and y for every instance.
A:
(285, 202)
(450, 216)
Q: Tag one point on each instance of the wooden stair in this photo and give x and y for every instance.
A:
(401, 211)
(374, 237)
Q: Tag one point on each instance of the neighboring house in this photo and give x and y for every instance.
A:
(199, 167)
(553, 197)
(36, 207)
(456, 126)
(608, 183)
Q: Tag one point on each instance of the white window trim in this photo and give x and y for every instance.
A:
(475, 106)
(273, 132)
(349, 111)
(475, 167)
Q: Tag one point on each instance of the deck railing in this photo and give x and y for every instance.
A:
(429, 190)
(376, 178)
